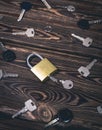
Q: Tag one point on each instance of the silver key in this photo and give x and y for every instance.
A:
(67, 84)
(85, 41)
(3, 74)
(29, 106)
(29, 32)
(99, 109)
(48, 28)
(70, 8)
(46, 4)
(85, 71)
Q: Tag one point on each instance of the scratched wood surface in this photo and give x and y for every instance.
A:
(61, 49)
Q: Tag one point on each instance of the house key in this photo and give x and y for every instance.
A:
(67, 84)
(85, 41)
(29, 32)
(29, 106)
(85, 71)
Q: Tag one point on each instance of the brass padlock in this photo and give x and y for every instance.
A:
(43, 69)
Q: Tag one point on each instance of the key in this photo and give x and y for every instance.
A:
(85, 24)
(64, 115)
(99, 109)
(46, 4)
(70, 8)
(29, 106)
(48, 29)
(3, 74)
(25, 6)
(7, 55)
(85, 71)
(67, 84)
(29, 32)
(85, 41)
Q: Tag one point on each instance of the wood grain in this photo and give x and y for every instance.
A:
(64, 51)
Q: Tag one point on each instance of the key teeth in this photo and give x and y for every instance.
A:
(11, 75)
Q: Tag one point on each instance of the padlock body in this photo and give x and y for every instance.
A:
(43, 69)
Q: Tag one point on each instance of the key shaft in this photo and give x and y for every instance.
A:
(19, 33)
(46, 4)
(23, 110)
(21, 15)
(91, 64)
(78, 37)
(95, 21)
(52, 122)
(2, 47)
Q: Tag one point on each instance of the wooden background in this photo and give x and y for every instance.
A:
(61, 49)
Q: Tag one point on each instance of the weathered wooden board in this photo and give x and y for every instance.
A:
(61, 49)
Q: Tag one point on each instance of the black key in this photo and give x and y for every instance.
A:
(8, 55)
(26, 6)
(85, 24)
(65, 115)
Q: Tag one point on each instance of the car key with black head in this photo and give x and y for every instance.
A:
(25, 6)
(7, 55)
(85, 24)
(64, 115)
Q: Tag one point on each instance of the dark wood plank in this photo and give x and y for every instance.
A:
(61, 49)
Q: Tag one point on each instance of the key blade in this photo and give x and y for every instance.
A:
(18, 33)
(77, 37)
(21, 15)
(52, 122)
(91, 64)
(46, 4)
(23, 110)
(1, 74)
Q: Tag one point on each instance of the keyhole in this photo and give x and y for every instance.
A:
(32, 103)
(89, 43)
(70, 85)
(82, 72)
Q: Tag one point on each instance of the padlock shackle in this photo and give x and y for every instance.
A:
(33, 55)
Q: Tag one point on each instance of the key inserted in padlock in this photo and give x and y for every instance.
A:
(43, 69)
